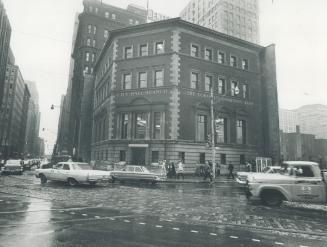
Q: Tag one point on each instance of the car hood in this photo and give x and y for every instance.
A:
(253, 177)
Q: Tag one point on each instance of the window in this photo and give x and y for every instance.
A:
(128, 52)
(124, 125)
(127, 83)
(113, 16)
(157, 125)
(137, 22)
(88, 42)
(94, 30)
(131, 21)
(242, 159)
(181, 156)
(86, 69)
(159, 47)
(195, 80)
(91, 8)
(94, 43)
(155, 157)
(208, 54)
(143, 50)
(141, 125)
(158, 78)
(233, 61)
(221, 86)
(106, 33)
(93, 57)
(96, 10)
(122, 155)
(245, 64)
(221, 57)
(208, 82)
(89, 28)
(66, 167)
(240, 132)
(142, 83)
(221, 130)
(202, 158)
(87, 57)
(245, 91)
(106, 14)
(194, 51)
(201, 127)
(223, 159)
(234, 91)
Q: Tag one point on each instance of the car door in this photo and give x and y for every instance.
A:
(64, 172)
(307, 187)
(54, 172)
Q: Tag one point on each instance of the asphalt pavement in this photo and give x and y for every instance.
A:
(172, 214)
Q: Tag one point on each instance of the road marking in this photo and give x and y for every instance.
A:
(193, 231)
(142, 223)
(126, 221)
(256, 240)
(279, 243)
(84, 215)
(176, 228)
(158, 226)
(97, 217)
(213, 234)
(234, 237)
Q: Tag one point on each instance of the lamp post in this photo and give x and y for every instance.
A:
(213, 148)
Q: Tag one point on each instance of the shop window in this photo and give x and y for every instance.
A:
(122, 155)
(223, 159)
(155, 157)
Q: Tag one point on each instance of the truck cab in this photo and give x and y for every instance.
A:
(299, 181)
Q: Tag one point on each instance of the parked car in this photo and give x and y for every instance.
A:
(13, 167)
(302, 181)
(242, 176)
(135, 173)
(74, 173)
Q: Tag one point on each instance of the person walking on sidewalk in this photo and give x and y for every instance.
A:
(207, 171)
(230, 169)
(180, 169)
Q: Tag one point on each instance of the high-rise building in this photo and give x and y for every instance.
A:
(94, 25)
(152, 98)
(238, 18)
(32, 127)
(288, 120)
(5, 33)
(14, 117)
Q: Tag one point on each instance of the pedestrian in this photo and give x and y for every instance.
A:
(180, 169)
(248, 167)
(207, 171)
(230, 169)
(217, 169)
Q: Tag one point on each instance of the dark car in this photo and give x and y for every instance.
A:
(13, 167)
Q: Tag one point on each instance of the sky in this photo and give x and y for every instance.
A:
(42, 35)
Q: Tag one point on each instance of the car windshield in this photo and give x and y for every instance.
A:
(266, 169)
(81, 166)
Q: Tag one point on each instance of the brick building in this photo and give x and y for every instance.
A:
(152, 99)
(5, 33)
(94, 25)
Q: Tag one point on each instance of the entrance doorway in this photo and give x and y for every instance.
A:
(138, 156)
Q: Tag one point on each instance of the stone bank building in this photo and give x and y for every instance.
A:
(152, 96)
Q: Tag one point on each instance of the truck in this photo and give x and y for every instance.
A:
(298, 181)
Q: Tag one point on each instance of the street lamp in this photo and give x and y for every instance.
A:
(213, 148)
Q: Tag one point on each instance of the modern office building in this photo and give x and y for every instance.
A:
(94, 25)
(5, 33)
(288, 120)
(14, 117)
(152, 96)
(238, 18)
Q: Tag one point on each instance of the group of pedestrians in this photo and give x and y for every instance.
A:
(175, 171)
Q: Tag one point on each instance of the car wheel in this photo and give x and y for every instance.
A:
(92, 183)
(43, 178)
(72, 182)
(272, 198)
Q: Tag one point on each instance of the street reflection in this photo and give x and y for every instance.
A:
(32, 228)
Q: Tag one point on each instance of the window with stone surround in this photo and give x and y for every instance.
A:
(127, 81)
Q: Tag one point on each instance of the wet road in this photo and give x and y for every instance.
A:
(130, 215)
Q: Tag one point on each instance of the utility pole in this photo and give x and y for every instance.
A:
(213, 148)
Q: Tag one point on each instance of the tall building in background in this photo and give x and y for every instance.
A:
(238, 18)
(5, 33)
(94, 25)
(288, 120)
(33, 120)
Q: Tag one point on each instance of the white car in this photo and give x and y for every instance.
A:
(242, 176)
(13, 167)
(74, 173)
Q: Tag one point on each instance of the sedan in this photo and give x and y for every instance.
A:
(135, 173)
(74, 173)
(13, 167)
